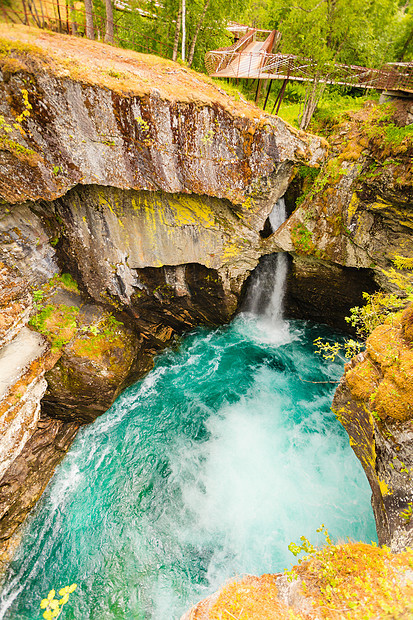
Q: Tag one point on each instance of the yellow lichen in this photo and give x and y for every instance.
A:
(384, 489)
(352, 207)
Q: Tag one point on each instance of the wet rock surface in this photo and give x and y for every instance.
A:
(325, 292)
(374, 402)
(27, 477)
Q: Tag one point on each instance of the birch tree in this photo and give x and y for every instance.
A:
(90, 30)
(109, 22)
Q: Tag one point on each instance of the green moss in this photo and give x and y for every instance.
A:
(101, 339)
(66, 281)
(56, 323)
(19, 151)
(302, 238)
(28, 49)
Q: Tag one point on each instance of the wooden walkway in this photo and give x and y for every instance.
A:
(252, 59)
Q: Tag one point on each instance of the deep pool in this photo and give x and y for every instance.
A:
(205, 469)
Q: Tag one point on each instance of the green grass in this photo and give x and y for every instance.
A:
(334, 103)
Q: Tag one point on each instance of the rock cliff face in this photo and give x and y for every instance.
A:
(374, 402)
(357, 214)
(149, 186)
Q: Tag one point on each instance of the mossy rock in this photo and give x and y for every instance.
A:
(407, 324)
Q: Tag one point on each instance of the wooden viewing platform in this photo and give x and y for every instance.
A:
(252, 58)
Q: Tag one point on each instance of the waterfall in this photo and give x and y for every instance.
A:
(266, 292)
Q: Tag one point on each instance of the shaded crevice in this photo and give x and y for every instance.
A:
(325, 292)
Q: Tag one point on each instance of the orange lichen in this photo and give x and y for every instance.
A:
(362, 380)
(252, 597)
(383, 379)
(407, 324)
(358, 581)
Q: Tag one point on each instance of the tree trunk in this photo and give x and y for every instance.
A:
(26, 18)
(109, 22)
(183, 28)
(73, 22)
(42, 12)
(35, 15)
(177, 33)
(197, 29)
(90, 30)
(312, 98)
(59, 15)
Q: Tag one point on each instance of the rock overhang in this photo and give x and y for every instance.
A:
(131, 121)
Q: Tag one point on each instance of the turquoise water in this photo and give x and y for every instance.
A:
(205, 469)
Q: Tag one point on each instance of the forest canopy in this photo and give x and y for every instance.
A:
(363, 32)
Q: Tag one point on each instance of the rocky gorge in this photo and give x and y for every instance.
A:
(134, 200)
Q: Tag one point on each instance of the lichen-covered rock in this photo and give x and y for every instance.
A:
(374, 402)
(359, 210)
(25, 250)
(15, 303)
(109, 237)
(352, 580)
(93, 114)
(92, 369)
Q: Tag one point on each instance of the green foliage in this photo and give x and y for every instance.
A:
(38, 296)
(403, 45)
(403, 262)
(302, 238)
(382, 128)
(305, 547)
(407, 513)
(7, 142)
(53, 607)
(102, 337)
(377, 308)
(66, 281)
(330, 351)
(307, 172)
(350, 32)
(57, 323)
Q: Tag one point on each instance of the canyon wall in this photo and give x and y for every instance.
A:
(133, 194)
(135, 197)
